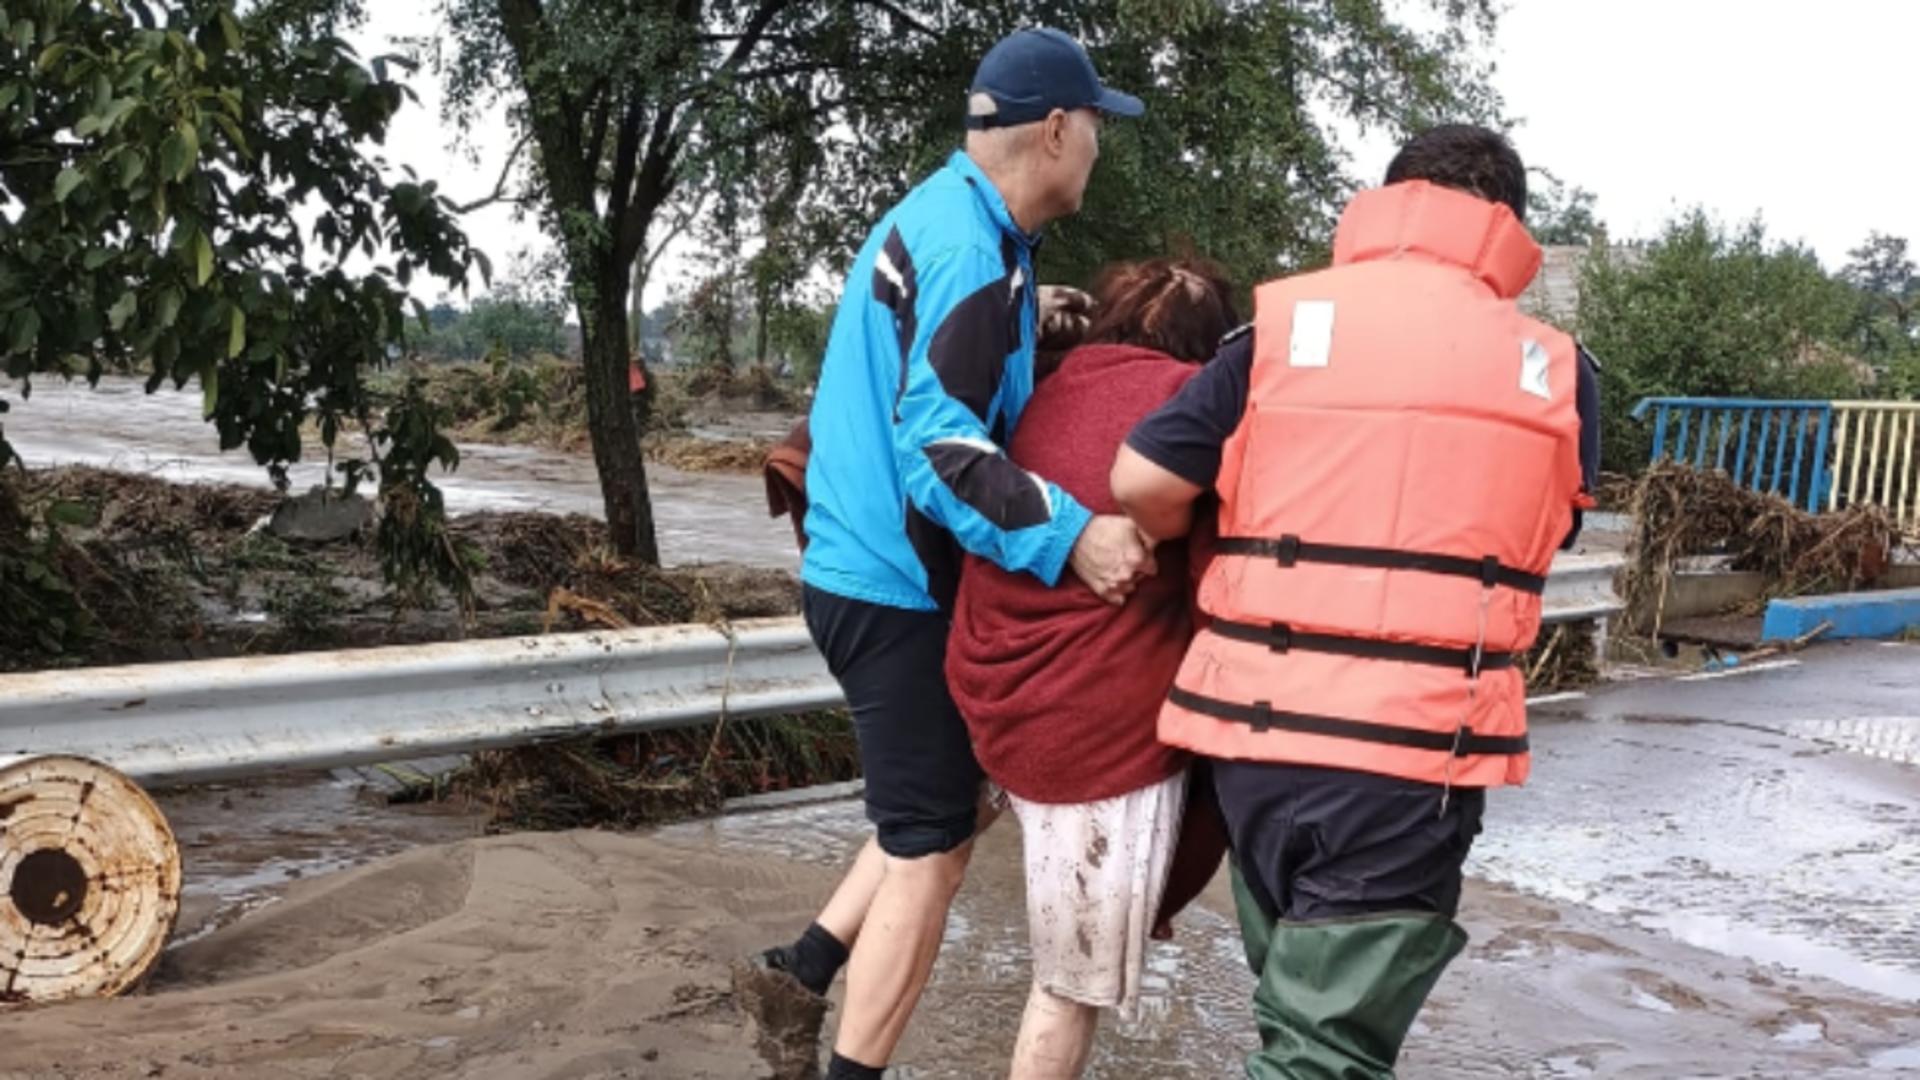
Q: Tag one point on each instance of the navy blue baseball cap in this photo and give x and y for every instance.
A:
(1030, 73)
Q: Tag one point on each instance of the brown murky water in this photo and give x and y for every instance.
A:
(701, 517)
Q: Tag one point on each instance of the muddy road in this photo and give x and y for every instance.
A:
(701, 518)
(1706, 877)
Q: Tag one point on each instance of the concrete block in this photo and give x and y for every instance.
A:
(1884, 614)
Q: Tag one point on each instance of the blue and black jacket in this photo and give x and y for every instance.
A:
(927, 370)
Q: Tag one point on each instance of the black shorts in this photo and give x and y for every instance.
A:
(922, 782)
(1318, 843)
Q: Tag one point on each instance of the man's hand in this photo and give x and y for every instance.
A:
(1065, 315)
(1110, 556)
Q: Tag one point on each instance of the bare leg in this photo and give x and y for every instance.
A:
(1056, 1038)
(847, 908)
(895, 952)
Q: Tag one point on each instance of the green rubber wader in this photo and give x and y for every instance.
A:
(1336, 997)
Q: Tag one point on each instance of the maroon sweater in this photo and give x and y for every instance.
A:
(1060, 690)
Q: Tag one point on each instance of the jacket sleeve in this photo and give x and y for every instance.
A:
(964, 325)
(1587, 402)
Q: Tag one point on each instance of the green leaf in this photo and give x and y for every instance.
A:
(133, 165)
(123, 309)
(232, 129)
(209, 391)
(96, 258)
(237, 333)
(23, 34)
(70, 177)
(179, 151)
(203, 257)
(8, 92)
(25, 330)
(166, 309)
(230, 29)
(51, 55)
(74, 514)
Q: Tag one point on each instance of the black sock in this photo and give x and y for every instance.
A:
(848, 1069)
(815, 959)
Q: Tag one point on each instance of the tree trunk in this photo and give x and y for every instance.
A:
(612, 424)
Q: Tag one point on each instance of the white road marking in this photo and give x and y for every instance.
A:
(1743, 669)
(1549, 699)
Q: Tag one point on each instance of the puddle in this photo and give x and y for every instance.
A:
(1695, 810)
(1802, 1034)
(1900, 1057)
(242, 845)
(1796, 954)
(1651, 1002)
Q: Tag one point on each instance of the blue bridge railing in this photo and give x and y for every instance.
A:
(1823, 455)
(1773, 446)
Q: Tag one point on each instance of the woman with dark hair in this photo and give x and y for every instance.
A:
(1060, 690)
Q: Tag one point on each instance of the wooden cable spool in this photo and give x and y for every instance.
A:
(89, 880)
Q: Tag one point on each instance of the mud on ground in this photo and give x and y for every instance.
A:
(592, 955)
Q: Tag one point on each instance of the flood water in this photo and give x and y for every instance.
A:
(706, 517)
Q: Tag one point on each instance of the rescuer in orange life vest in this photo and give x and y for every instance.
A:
(1397, 452)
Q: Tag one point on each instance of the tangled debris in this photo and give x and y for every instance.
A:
(99, 567)
(1566, 657)
(657, 775)
(691, 453)
(1680, 511)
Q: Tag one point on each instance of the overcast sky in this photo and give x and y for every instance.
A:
(1801, 111)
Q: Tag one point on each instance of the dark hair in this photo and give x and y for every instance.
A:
(1181, 307)
(1465, 157)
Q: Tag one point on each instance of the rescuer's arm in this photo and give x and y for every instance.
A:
(1173, 456)
(1587, 401)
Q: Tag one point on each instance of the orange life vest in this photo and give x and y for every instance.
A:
(1391, 503)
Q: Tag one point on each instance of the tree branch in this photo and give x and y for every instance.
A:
(500, 186)
(899, 13)
(653, 184)
(680, 225)
(751, 34)
(625, 162)
(597, 131)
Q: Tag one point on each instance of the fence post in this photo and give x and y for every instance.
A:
(1817, 486)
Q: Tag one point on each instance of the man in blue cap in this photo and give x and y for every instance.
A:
(926, 373)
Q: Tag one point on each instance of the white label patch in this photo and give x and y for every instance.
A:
(1312, 341)
(1533, 369)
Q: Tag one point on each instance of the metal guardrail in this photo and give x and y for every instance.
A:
(1820, 455)
(217, 719)
(210, 719)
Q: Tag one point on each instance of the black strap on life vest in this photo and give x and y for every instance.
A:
(1288, 550)
(1282, 638)
(1262, 716)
